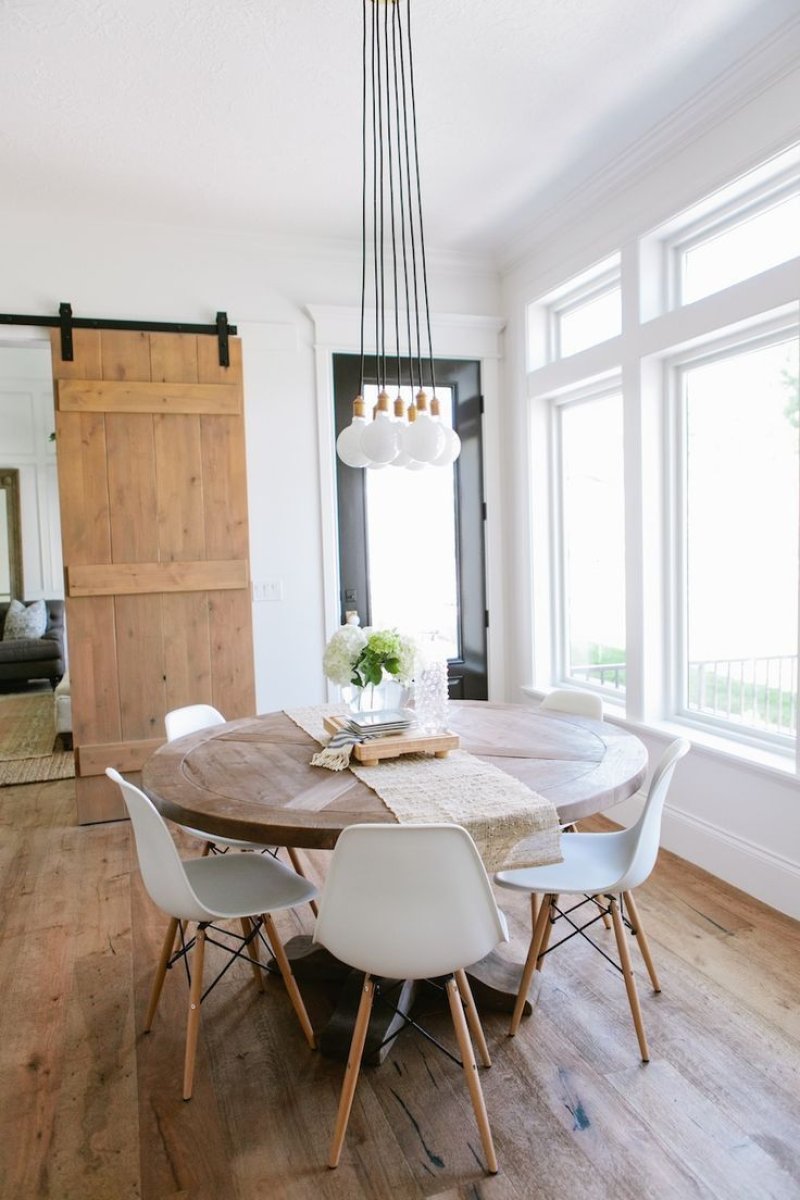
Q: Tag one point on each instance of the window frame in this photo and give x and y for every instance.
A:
(574, 397)
(758, 334)
(727, 215)
(602, 284)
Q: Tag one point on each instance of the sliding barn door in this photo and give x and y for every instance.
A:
(151, 472)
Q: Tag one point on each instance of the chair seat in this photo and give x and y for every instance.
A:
(246, 884)
(232, 843)
(593, 863)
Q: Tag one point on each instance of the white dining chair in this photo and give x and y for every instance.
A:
(411, 902)
(603, 867)
(244, 887)
(189, 719)
(566, 700)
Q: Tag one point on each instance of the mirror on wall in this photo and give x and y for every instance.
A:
(11, 583)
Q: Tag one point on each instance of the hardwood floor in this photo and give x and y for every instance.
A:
(91, 1109)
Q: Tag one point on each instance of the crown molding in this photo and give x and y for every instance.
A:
(764, 65)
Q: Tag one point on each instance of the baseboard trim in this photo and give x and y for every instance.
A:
(770, 877)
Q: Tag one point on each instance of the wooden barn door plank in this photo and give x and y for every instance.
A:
(154, 508)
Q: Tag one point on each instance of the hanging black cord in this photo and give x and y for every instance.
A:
(363, 183)
(395, 20)
(391, 183)
(410, 211)
(419, 199)
(381, 179)
(375, 194)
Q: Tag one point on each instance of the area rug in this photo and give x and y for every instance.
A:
(28, 741)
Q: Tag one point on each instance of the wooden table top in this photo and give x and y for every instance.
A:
(252, 778)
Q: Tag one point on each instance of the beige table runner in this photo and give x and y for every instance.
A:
(511, 825)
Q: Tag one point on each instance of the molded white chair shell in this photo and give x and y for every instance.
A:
(182, 721)
(564, 700)
(411, 902)
(408, 901)
(247, 887)
(606, 862)
(189, 719)
(596, 865)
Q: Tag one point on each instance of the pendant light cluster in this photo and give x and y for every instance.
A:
(391, 435)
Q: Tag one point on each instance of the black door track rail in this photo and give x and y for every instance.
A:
(66, 323)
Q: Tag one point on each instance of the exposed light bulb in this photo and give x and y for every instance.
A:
(379, 440)
(401, 459)
(452, 448)
(424, 438)
(348, 443)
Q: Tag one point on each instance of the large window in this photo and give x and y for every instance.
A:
(738, 423)
(593, 540)
(666, 564)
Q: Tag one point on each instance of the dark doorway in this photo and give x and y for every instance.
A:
(433, 550)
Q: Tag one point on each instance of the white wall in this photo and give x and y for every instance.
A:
(739, 819)
(26, 422)
(153, 272)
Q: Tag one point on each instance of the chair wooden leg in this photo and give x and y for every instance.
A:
(252, 950)
(630, 983)
(641, 938)
(289, 979)
(294, 859)
(473, 1020)
(548, 929)
(207, 848)
(606, 917)
(471, 1075)
(193, 1022)
(158, 982)
(534, 950)
(352, 1070)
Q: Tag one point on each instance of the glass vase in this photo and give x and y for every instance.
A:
(431, 694)
(378, 697)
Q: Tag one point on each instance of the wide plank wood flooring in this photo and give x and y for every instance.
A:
(91, 1109)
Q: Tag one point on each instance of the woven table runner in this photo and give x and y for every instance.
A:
(511, 825)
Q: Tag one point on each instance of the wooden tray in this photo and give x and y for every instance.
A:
(393, 745)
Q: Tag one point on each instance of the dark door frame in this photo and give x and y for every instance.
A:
(469, 673)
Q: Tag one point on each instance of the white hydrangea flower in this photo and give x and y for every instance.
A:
(341, 653)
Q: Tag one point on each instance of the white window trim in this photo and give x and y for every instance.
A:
(760, 334)
(611, 386)
(729, 214)
(601, 285)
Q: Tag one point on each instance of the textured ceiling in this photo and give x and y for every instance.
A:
(246, 116)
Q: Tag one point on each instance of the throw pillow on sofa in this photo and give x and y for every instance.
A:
(25, 620)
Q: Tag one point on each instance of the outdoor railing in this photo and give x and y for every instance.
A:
(757, 692)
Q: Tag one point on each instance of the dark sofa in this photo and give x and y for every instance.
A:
(35, 658)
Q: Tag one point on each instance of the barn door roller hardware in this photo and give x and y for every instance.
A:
(65, 321)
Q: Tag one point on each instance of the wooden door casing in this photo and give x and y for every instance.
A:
(153, 496)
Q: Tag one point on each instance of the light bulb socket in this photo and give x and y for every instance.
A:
(422, 402)
(399, 408)
(383, 403)
(359, 408)
(436, 409)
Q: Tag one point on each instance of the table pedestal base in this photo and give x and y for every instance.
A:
(494, 982)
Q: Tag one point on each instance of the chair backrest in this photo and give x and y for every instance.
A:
(408, 901)
(162, 870)
(191, 718)
(584, 704)
(643, 837)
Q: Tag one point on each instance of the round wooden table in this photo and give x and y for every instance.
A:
(252, 779)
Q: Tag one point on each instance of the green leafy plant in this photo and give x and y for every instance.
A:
(365, 656)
